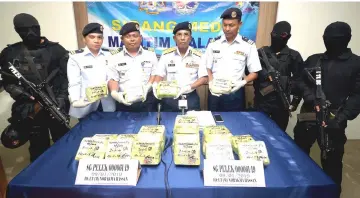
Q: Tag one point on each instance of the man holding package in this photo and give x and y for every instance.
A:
(131, 72)
(184, 72)
(225, 59)
(87, 75)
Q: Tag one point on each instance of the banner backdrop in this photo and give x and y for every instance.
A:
(157, 20)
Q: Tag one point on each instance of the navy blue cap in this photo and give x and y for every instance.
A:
(92, 28)
(182, 26)
(129, 27)
(231, 13)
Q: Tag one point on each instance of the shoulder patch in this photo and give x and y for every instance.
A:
(196, 52)
(247, 40)
(169, 50)
(76, 51)
(215, 39)
(115, 51)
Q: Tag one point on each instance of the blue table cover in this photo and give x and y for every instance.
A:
(291, 172)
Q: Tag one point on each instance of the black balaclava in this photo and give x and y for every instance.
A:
(336, 37)
(280, 35)
(28, 29)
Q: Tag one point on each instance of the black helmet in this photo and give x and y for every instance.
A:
(13, 138)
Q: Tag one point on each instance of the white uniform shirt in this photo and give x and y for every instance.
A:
(84, 70)
(132, 72)
(229, 60)
(185, 70)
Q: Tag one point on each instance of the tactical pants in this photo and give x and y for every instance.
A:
(172, 105)
(227, 102)
(305, 134)
(150, 104)
(280, 117)
(39, 134)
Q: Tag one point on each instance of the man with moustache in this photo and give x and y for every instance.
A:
(131, 72)
(183, 65)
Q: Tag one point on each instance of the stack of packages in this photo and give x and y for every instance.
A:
(149, 144)
(217, 143)
(186, 144)
(167, 89)
(121, 147)
(247, 148)
(94, 147)
(221, 86)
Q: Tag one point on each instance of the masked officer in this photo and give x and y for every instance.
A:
(38, 60)
(340, 81)
(226, 58)
(131, 72)
(88, 68)
(287, 63)
(182, 64)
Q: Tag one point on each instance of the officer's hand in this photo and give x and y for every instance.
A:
(183, 90)
(236, 86)
(61, 102)
(119, 96)
(210, 89)
(154, 87)
(146, 89)
(332, 124)
(80, 103)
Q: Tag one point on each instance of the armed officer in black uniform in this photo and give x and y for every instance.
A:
(340, 81)
(287, 62)
(38, 60)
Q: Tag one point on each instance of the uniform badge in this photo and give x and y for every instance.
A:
(88, 66)
(233, 14)
(137, 26)
(216, 51)
(121, 64)
(106, 62)
(190, 26)
(143, 63)
(239, 53)
(101, 28)
(171, 61)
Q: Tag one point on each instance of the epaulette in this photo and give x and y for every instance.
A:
(115, 51)
(196, 52)
(76, 51)
(169, 50)
(105, 49)
(215, 39)
(247, 40)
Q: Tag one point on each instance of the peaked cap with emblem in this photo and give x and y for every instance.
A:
(232, 13)
(182, 26)
(92, 28)
(129, 27)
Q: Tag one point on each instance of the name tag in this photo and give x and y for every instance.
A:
(216, 51)
(121, 64)
(236, 173)
(192, 65)
(108, 172)
(171, 65)
(88, 66)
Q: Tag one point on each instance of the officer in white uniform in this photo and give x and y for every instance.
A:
(226, 57)
(182, 64)
(131, 71)
(87, 67)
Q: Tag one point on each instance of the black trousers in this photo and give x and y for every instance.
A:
(279, 116)
(227, 102)
(150, 104)
(39, 134)
(172, 105)
(306, 133)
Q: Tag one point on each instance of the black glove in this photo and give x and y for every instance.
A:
(24, 110)
(61, 103)
(333, 124)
